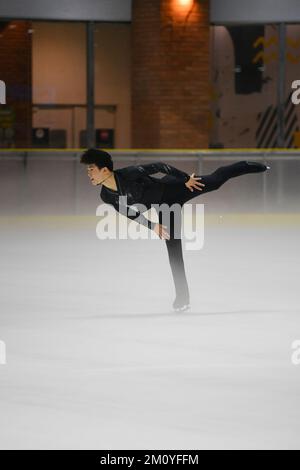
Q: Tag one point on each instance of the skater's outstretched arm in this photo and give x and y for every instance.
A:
(134, 172)
(133, 213)
(138, 217)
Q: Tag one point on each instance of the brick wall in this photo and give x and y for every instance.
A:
(15, 71)
(170, 74)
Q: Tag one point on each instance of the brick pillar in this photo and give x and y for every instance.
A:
(170, 74)
(15, 71)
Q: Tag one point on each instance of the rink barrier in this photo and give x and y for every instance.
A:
(274, 191)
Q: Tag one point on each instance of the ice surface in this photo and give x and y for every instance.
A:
(96, 358)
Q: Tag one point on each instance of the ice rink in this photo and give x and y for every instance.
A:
(97, 360)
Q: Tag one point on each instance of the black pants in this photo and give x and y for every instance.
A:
(178, 193)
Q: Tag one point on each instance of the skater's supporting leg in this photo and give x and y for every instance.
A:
(175, 253)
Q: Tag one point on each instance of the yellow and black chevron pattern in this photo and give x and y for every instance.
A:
(267, 56)
(267, 128)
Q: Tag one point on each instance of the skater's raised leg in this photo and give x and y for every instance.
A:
(216, 179)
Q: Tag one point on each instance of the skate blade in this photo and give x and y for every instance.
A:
(185, 308)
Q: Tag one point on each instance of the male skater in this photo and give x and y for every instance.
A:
(137, 185)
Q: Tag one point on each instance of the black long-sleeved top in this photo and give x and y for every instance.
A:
(136, 184)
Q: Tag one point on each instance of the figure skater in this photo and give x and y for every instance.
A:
(127, 188)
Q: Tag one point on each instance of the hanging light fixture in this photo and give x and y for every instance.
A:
(185, 3)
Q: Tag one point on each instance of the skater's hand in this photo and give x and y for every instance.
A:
(161, 231)
(192, 183)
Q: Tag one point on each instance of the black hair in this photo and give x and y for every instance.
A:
(100, 158)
